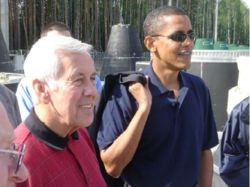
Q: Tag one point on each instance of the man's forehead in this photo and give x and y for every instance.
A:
(67, 57)
(167, 18)
(74, 63)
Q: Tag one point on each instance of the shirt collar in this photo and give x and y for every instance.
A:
(43, 133)
(156, 87)
(155, 84)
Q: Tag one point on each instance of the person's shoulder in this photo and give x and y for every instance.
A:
(7, 96)
(34, 146)
(22, 134)
(83, 133)
(193, 79)
(190, 76)
(5, 90)
(242, 107)
(23, 84)
(24, 92)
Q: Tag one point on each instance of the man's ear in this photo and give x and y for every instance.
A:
(149, 43)
(41, 91)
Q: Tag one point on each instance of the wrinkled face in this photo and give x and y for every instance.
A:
(8, 177)
(73, 100)
(170, 54)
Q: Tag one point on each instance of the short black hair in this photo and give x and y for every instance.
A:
(58, 26)
(153, 21)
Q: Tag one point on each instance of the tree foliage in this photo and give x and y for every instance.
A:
(91, 20)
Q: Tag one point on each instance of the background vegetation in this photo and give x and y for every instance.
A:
(91, 20)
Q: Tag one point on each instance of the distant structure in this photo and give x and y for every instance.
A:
(4, 53)
(4, 20)
(123, 50)
(5, 63)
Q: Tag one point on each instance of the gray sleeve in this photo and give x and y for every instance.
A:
(9, 100)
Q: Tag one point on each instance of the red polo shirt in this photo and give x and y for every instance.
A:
(53, 161)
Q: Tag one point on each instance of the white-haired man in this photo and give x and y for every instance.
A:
(58, 150)
(25, 96)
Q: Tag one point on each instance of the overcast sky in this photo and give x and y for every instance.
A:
(247, 3)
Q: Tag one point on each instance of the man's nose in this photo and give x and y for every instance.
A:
(90, 89)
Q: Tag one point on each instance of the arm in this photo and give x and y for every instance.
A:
(121, 151)
(206, 170)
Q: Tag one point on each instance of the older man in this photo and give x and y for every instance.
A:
(24, 91)
(12, 170)
(58, 150)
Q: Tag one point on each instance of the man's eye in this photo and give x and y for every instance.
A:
(93, 79)
(78, 82)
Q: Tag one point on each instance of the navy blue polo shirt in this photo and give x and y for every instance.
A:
(176, 131)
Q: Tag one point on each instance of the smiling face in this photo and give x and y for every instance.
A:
(72, 102)
(167, 53)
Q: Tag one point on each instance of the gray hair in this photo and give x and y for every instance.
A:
(154, 22)
(43, 63)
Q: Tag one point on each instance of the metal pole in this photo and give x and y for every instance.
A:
(216, 19)
(4, 20)
(169, 2)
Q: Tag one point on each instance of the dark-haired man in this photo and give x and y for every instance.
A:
(160, 134)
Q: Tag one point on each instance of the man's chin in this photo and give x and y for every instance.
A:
(187, 66)
(184, 66)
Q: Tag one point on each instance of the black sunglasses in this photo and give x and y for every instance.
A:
(178, 36)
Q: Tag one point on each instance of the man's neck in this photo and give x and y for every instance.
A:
(168, 77)
(51, 122)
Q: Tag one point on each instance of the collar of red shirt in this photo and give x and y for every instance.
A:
(47, 136)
